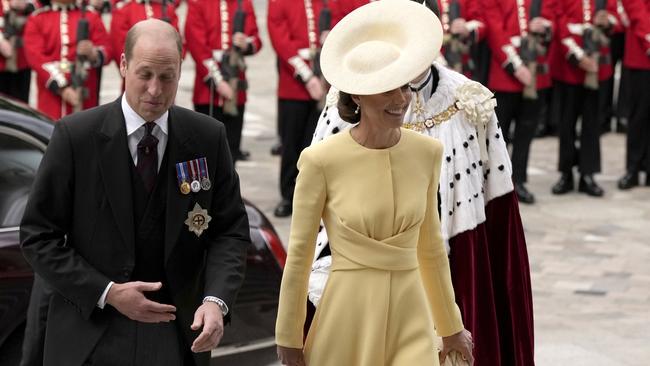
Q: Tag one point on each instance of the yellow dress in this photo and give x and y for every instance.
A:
(390, 279)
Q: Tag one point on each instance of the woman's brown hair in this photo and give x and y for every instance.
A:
(347, 108)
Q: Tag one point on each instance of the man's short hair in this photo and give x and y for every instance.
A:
(132, 38)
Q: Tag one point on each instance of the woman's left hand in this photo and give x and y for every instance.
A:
(460, 342)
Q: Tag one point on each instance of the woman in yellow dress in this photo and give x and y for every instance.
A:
(389, 292)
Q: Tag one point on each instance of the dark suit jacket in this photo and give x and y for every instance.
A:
(78, 227)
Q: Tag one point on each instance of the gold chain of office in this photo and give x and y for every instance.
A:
(428, 123)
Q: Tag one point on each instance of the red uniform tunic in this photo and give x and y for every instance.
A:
(470, 11)
(21, 61)
(208, 35)
(574, 15)
(347, 6)
(507, 21)
(289, 30)
(126, 13)
(44, 51)
(637, 39)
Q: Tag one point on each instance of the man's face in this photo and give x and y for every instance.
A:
(151, 76)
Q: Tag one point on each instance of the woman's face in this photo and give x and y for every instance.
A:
(386, 109)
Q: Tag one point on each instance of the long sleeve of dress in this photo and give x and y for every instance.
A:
(434, 265)
(308, 203)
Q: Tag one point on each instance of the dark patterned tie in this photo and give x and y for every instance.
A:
(148, 157)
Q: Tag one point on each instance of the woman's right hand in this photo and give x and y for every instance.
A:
(460, 342)
(291, 356)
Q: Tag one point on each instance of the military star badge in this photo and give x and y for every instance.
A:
(197, 220)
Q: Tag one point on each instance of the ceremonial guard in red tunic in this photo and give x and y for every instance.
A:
(464, 29)
(581, 61)
(15, 74)
(637, 61)
(219, 34)
(296, 29)
(519, 34)
(615, 96)
(65, 59)
(128, 12)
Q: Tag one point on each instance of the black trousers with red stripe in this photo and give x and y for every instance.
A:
(583, 148)
(513, 107)
(234, 125)
(638, 133)
(297, 120)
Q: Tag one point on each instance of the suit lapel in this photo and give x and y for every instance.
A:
(179, 144)
(114, 157)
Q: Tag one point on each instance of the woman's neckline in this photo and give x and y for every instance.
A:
(394, 146)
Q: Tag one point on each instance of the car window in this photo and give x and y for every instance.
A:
(20, 156)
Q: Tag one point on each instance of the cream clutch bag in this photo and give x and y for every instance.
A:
(455, 359)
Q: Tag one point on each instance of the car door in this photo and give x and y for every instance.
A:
(20, 156)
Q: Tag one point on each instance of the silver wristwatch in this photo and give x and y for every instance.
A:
(218, 301)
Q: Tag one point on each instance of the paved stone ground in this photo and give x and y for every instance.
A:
(589, 257)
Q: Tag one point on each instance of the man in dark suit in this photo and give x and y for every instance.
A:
(143, 264)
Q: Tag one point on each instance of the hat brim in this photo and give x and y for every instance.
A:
(381, 46)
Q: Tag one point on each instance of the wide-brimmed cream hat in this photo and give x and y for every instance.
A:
(381, 46)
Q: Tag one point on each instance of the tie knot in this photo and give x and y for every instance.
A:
(148, 127)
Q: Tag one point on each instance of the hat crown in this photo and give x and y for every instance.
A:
(381, 46)
(371, 56)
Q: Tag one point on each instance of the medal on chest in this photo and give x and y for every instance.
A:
(193, 176)
(197, 220)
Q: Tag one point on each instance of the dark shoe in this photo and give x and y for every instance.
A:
(276, 149)
(629, 180)
(564, 185)
(523, 194)
(242, 155)
(589, 186)
(283, 209)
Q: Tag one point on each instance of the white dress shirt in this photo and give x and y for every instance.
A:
(134, 132)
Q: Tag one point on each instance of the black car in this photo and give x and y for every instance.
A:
(24, 134)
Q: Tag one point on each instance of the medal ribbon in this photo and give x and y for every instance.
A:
(185, 171)
(179, 173)
(197, 168)
(192, 170)
(203, 167)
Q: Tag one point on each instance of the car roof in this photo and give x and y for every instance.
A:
(20, 116)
